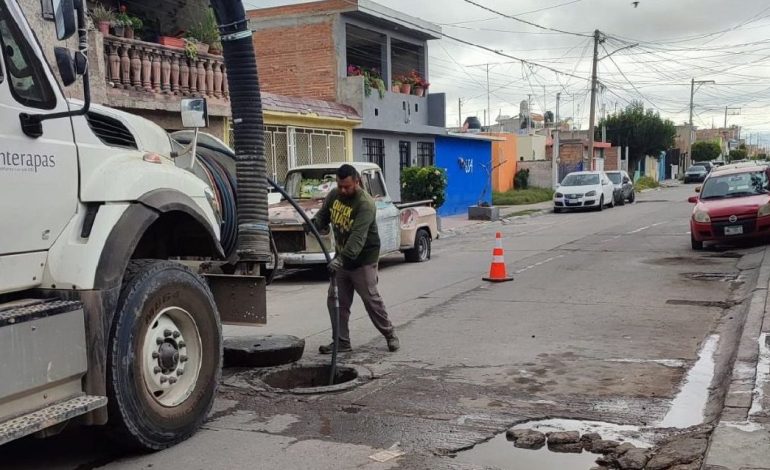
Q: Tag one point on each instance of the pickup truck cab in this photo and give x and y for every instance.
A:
(409, 228)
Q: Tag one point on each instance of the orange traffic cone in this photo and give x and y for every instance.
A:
(497, 271)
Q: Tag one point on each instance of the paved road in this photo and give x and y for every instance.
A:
(609, 315)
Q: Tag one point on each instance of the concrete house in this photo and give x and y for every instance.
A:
(305, 51)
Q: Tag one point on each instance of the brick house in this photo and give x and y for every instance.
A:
(305, 50)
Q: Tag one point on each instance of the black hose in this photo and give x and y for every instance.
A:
(336, 315)
(225, 188)
(248, 131)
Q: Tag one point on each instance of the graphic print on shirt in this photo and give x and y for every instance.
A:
(340, 218)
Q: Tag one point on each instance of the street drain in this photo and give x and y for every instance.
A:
(701, 303)
(721, 277)
(303, 379)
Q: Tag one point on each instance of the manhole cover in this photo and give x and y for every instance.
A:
(262, 351)
(303, 379)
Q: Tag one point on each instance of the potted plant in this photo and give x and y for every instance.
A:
(134, 26)
(103, 18)
(419, 84)
(191, 48)
(406, 84)
(205, 32)
(396, 86)
(122, 20)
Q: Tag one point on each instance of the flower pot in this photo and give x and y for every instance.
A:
(396, 88)
(406, 88)
(129, 32)
(104, 28)
(119, 31)
(419, 91)
(214, 50)
(202, 47)
(171, 42)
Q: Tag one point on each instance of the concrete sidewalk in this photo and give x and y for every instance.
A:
(459, 223)
(741, 440)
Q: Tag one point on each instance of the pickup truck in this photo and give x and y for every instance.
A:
(408, 228)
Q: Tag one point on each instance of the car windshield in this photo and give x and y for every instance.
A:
(615, 178)
(735, 185)
(696, 169)
(580, 180)
(310, 184)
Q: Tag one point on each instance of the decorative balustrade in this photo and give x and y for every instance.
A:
(150, 67)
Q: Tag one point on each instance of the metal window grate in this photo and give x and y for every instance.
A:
(426, 154)
(374, 152)
(404, 155)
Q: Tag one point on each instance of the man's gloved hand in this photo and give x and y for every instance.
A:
(335, 265)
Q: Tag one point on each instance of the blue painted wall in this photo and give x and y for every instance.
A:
(466, 180)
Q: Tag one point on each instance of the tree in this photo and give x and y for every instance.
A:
(548, 117)
(705, 151)
(738, 154)
(643, 131)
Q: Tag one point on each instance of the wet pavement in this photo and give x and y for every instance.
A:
(611, 319)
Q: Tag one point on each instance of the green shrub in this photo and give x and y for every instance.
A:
(517, 197)
(521, 179)
(423, 183)
(645, 182)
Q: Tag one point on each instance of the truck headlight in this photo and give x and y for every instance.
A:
(764, 210)
(701, 216)
(590, 193)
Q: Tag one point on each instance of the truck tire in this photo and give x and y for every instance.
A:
(421, 250)
(164, 357)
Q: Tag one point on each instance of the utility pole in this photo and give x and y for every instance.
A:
(556, 145)
(460, 112)
(592, 113)
(692, 107)
(529, 112)
(489, 108)
(727, 108)
(545, 101)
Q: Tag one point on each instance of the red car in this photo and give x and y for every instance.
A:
(733, 203)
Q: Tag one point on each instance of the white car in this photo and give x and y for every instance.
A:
(584, 189)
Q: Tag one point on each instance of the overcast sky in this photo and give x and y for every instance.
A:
(673, 42)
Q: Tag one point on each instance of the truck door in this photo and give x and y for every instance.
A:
(387, 214)
(38, 177)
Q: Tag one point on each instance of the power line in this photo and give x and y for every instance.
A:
(472, 2)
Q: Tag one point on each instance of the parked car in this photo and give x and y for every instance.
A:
(624, 187)
(707, 165)
(733, 203)
(409, 228)
(583, 189)
(695, 174)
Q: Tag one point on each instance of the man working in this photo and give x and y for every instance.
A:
(351, 212)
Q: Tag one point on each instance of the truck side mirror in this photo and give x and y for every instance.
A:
(194, 113)
(64, 17)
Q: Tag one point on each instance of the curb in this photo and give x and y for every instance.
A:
(478, 226)
(738, 438)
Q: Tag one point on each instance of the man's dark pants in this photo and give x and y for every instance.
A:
(362, 280)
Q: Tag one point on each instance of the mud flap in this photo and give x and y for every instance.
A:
(241, 300)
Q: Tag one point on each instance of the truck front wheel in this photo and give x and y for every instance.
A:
(421, 250)
(164, 356)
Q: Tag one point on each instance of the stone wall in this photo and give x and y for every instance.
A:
(539, 172)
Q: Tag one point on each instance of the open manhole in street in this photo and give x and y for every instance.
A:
(302, 379)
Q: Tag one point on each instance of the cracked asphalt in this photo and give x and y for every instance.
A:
(605, 318)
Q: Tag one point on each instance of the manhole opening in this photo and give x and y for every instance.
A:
(308, 377)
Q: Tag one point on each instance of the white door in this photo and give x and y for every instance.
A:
(38, 176)
(387, 214)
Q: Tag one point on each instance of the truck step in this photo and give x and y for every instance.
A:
(32, 309)
(49, 416)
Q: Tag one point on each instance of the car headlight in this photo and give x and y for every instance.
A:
(764, 210)
(558, 195)
(701, 216)
(591, 193)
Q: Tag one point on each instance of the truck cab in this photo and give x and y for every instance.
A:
(104, 316)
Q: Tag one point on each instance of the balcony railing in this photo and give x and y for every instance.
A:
(142, 66)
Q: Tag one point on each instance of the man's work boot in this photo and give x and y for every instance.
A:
(341, 348)
(393, 344)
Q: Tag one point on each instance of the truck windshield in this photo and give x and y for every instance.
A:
(310, 184)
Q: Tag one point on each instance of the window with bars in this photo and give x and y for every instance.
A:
(426, 154)
(404, 154)
(374, 152)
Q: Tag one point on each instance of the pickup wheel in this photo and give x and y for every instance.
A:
(421, 250)
(164, 357)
